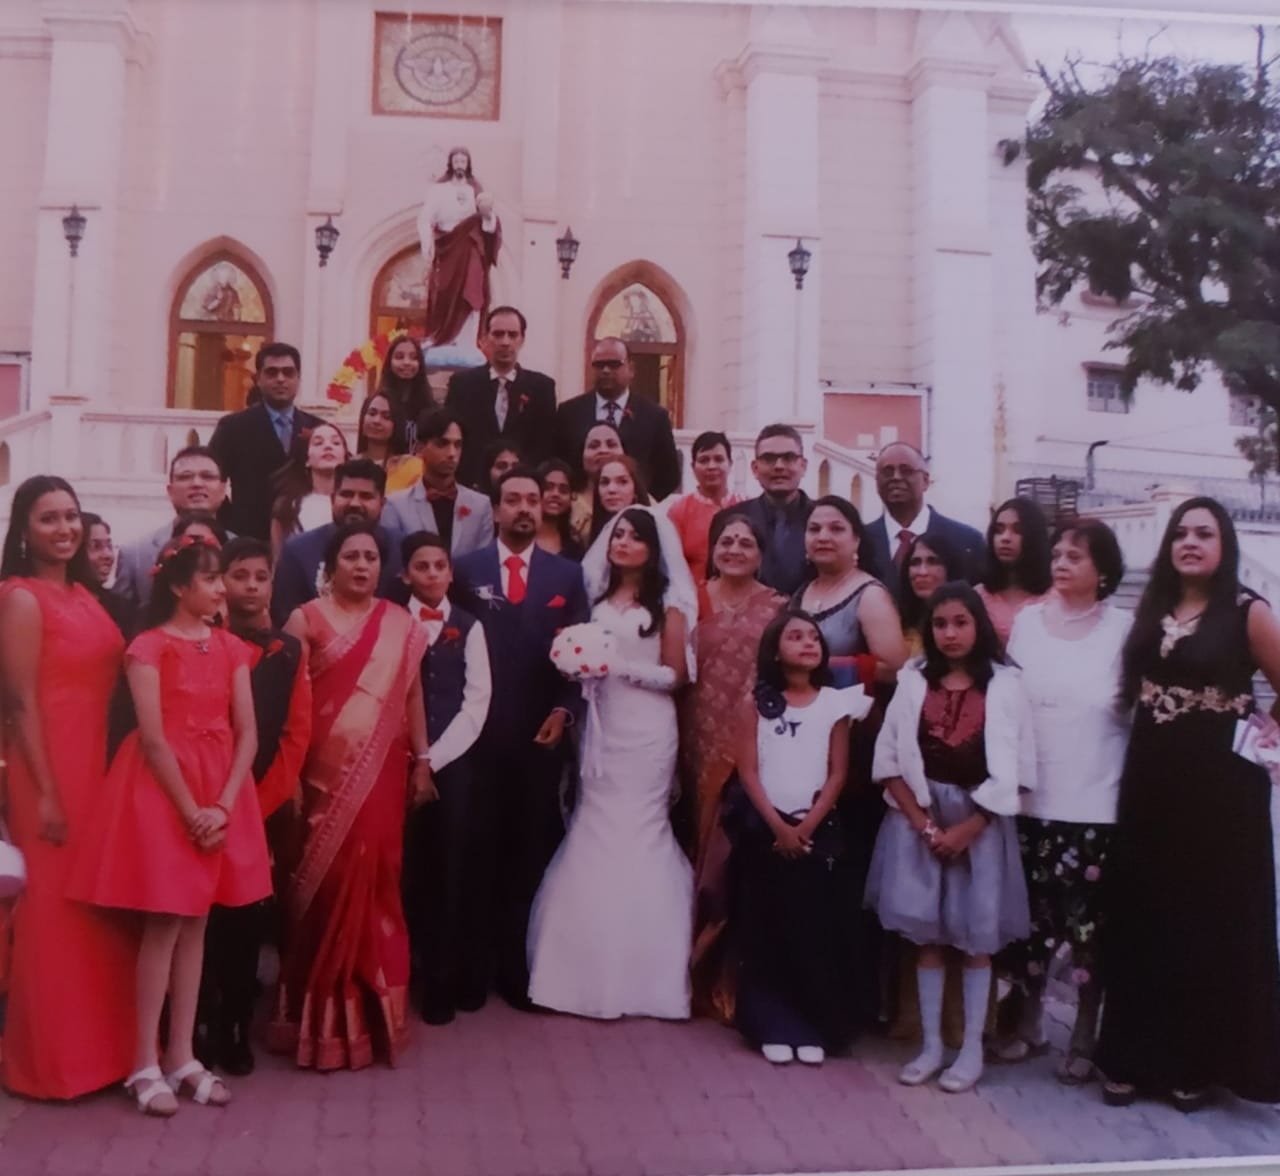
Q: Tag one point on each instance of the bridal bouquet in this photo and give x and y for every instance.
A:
(583, 652)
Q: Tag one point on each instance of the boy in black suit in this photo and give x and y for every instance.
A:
(645, 427)
(252, 444)
(501, 400)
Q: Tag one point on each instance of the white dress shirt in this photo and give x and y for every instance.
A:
(459, 736)
(918, 526)
(602, 407)
(504, 572)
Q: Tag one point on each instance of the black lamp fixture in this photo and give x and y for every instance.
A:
(73, 229)
(566, 251)
(326, 238)
(798, 260)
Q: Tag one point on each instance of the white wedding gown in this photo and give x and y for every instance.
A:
(611, 926)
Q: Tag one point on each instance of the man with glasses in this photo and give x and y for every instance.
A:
(902, 477)
(782, 511)
(252, 444)
(645, 427)
(196, 483)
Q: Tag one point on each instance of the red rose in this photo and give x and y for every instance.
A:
(451, 634)
(524, 401)
(275, 647)
(463, 511)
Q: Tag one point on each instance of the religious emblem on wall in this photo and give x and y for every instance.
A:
(438, 66)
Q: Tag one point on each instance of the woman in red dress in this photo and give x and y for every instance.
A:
(70, 1025)
(179, 827)
(345, 974)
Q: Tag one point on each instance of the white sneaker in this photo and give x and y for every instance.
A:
(811, 1055)
(779, 1055)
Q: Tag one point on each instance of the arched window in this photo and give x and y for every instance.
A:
(399, 293)
(221, 316)
(639, 304)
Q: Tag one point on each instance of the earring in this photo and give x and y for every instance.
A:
(22, 547)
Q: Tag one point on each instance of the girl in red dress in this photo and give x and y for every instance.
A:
(70, 1024)
(179, 827)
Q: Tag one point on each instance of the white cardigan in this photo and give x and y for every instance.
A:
(1010, 744)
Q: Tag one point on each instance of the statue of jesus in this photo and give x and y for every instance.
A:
(461, 236)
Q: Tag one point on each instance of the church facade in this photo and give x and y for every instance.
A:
(689, 148)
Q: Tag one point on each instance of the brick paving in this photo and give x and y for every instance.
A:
(507, 1094)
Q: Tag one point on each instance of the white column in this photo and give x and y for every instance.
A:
(953, 153)
(75, 310)
(779, 362)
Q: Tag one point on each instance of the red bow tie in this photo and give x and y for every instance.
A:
(426, 613)
(449, 495)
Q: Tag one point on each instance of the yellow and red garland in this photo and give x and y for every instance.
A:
(370, 353)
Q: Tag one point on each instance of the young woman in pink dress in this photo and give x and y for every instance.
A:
(70, 1016)
(178, 827)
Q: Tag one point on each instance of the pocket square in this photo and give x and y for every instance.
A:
(556, 602)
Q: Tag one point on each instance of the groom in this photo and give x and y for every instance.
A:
(523, 596)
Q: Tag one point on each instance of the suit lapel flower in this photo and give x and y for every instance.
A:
(463, 510)
(450, 635)
(487, 594)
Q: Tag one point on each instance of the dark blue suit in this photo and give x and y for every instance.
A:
(515, 824)
(299, 562)
(969, 545)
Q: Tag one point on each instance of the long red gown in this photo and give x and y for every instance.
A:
(70, 1023)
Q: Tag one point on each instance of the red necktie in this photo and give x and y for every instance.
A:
(427, 613)
(515, 585)
(905, 540)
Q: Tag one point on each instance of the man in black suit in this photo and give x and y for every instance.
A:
(523, 596)
(359, 494)
(645, 427)
(501, 399)
(902, 477)
(782, 510)
(252, 444)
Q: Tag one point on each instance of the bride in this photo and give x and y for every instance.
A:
(610, 931)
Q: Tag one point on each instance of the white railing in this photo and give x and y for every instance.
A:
(25, 443)
(851, 473)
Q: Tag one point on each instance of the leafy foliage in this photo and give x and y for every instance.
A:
(1156, 182)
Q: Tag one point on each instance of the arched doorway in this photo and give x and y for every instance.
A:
(221, 316)
(398, 299)
(641, 304)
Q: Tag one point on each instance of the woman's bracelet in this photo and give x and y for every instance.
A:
(425, 757)
(222, 808)
(929, 831)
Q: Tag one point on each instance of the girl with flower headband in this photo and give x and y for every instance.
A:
(792, 926)
(180, 827)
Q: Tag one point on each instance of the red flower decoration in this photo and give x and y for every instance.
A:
(463, 511)
(627, 414)
(275, 647)
(451, 634)
(524, 401)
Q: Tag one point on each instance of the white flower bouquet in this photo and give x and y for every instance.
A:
(583, 652)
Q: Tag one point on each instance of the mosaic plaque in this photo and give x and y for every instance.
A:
(438, 66)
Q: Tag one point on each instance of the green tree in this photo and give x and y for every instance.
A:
(1260, 450)
(1155, 181)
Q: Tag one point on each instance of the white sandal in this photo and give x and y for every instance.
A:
(198, 1084)
(147, 1085)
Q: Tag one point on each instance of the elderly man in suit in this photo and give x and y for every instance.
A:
(463, 518)
(523, 596)
(359, 495)
(902, 477)
(196, 483)
(645, 427)
(252, 444)
(501, 400)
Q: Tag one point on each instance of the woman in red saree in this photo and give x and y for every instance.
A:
(345, 973)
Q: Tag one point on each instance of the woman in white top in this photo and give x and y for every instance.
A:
(792, 925)
(1069, 648)
(304, 484)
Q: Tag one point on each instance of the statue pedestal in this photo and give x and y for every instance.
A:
(455, 355)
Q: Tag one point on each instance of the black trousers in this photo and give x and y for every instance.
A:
(514, 827)
(229, 981)
(433, 883)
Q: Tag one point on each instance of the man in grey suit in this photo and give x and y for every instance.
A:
(196, 482)
(439, 504)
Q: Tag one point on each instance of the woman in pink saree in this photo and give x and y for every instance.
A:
(345, 969)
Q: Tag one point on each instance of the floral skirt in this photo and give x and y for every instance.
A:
(1064, 863)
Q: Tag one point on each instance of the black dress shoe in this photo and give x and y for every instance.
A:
(1188, 1101)
(436, 1011)
(470, 1000)
(234, 1054)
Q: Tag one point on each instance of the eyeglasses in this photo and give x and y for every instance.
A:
(606, 365)
(769, 459)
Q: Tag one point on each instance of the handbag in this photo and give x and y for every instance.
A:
(13, 867)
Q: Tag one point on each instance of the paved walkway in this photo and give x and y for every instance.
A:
(499, 1093)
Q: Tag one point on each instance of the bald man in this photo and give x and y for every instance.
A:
(902, 477)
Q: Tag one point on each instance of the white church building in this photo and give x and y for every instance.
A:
(689, 147)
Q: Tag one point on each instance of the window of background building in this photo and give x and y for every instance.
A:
(221, 316)
(654, 337)
(1103, 386)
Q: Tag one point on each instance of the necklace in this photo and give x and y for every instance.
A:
(823, 600)
(1067, 617)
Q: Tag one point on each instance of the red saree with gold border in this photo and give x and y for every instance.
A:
(345, 974)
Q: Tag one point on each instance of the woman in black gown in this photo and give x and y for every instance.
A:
(1189, 933)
